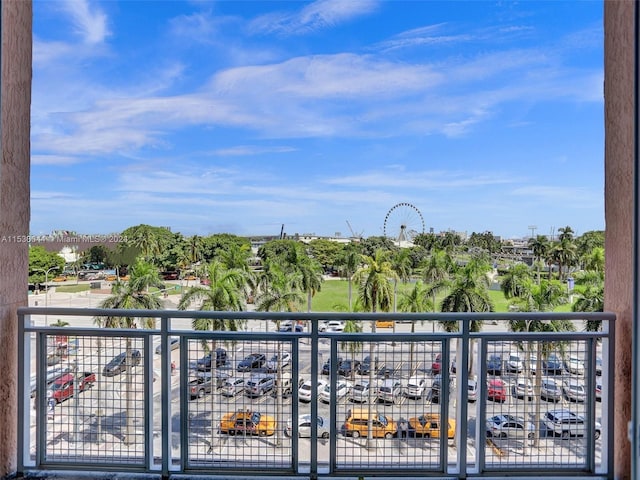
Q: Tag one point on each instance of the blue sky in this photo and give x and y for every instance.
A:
(240, 116)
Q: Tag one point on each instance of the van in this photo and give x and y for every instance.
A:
(568, 424)
(357, 424)
(258, 385)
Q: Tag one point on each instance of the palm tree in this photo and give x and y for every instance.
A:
(415, 300)
(542, 298)
(352, 326)
(132, 295)
(350, 261)
(540, 246)
(401, 263)
(591, 299)
(517, 281)
(376, 294)
(224, 293)
(436, 271)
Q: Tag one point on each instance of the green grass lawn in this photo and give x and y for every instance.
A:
(72, 288)
(333, 297)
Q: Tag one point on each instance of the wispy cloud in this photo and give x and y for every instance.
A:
(89, 21)
(318, 15)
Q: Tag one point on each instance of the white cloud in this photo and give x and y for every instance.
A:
(318, 15)
(89, 20)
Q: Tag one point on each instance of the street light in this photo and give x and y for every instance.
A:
(46, 287)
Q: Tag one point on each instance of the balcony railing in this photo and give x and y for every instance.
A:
(428, 403)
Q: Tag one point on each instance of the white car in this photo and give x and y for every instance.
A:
(232, 387)
(360, 392)
(574, 365)
(272, 364)
(416, 387)
(472, 390)
(515, 363)
(332, 326)
(304, 392)
(343, 388)
(304, 427)
(522, 389)
(574, 391)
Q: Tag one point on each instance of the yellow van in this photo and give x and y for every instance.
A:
(357, 422)
(384, 323)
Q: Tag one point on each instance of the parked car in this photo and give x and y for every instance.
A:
(259, 384)
(522, 389)
(332, 326)
(289, 327)
(342, 390)
(357, 424)
(574, 365)
(364, 367)
(384, 323)
(574, 391)
(360, 392)
(514, 363)
(304, 392)
(348, 367)
(304, 427)
(509, 426)
(204, 383)
(204, 363)
(389, 391)
(472, 390)
(429, 426)
(598, 366)
(52, 375)
(598, 390)
(326, 368)
(232, 387)
(496, 390)
(416, 387)
(119, 364)
(552, 365)
(246, 422)
(272, 364)
(436, 365)
(64, 386)
(174, 343)
(494, 365)
(436, 387)
(567, 424)
(550, 390)
(251, 362)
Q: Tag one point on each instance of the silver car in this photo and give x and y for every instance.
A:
(509, 426)
(232, 387)
(304, 427)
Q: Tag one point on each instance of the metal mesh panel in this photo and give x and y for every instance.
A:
(94, 400)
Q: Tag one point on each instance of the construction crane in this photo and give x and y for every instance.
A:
(354, 234)
(282, 234)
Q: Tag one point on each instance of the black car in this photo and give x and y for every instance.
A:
(552, 365)
(119, 363)
(326, 368)
(365, 366)
(251, 362)
(494, 365)
(347, 367)
(204, 363)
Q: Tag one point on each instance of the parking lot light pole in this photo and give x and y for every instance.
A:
(46, 288)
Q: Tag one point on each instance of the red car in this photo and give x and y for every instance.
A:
(496, 390)
(436, 366)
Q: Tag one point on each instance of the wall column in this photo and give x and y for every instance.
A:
(15, 104)
(619, 44)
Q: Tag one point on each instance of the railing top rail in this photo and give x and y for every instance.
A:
(470, 316)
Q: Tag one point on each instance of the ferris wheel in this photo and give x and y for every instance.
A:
(403, 223)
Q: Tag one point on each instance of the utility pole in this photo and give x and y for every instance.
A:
(533, 229)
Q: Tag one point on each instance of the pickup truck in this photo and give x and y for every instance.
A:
(204, 383)
(62, 388)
